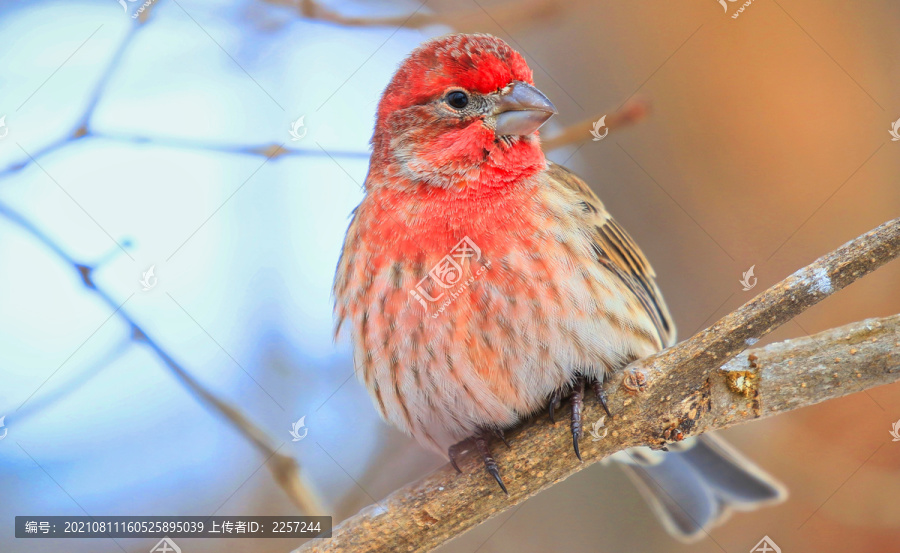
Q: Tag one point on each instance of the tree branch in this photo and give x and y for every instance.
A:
(680, 391)
(633, 111)
(513, 14)
(797, 373)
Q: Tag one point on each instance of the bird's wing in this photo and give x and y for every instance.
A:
(617, 252)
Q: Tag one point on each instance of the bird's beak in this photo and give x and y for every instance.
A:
(521, 109)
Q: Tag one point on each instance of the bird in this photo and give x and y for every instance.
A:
(482, 283)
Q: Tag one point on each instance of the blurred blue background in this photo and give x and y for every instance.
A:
(243, 248)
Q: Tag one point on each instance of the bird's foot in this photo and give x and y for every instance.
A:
(576, 400)
(498, 432)
(575, 395)
(601, 395)
(453, 452)
(555, 402)
(482, 443)
(481, 440)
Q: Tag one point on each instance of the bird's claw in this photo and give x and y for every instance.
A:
(453, 452)
(601, 396)
(577, 402)
(481, 441)
(555, 402)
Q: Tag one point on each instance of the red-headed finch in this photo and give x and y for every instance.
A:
(482, 283)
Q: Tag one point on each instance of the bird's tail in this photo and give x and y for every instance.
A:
(698, 483)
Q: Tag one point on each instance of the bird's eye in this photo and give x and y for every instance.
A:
(457, 99)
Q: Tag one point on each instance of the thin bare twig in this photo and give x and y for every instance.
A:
(72, 384)
(513, 14)
(283, 467)
(678, 392)
(632, 112)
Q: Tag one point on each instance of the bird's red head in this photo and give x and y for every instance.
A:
(461, 111)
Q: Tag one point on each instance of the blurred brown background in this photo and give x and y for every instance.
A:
(767, 145)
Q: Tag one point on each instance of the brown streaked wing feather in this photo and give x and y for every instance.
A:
(616, 251)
